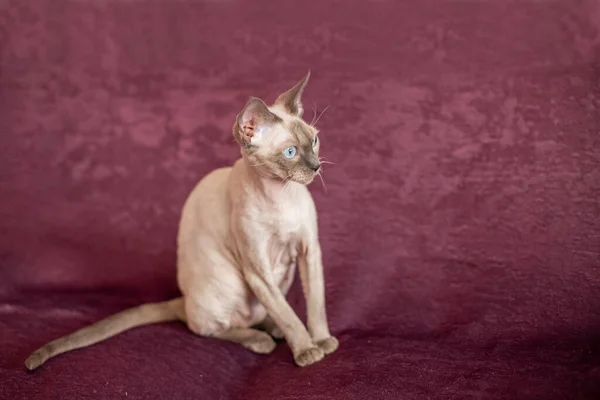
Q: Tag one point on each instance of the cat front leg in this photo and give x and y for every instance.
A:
(260, 279)
(313, 283)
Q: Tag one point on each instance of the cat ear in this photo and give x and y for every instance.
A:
(253, 121)
(291, 100)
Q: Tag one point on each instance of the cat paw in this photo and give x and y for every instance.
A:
(261, 343)
(271, 328)
(328, 345)
(308, 356)
(276, 333)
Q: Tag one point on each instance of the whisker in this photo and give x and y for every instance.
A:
(322, 182)
(285, 185)
(323, 160)
(314, 108)
(290, 188)
(256, 165)
(319, 117)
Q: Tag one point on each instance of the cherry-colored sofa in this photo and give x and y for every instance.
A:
(460, 226)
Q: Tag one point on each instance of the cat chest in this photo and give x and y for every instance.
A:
(283, 257)
(289, 222)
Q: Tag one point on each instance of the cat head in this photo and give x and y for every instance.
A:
(276, 140)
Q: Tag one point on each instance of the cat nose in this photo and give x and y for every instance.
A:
(315, 167)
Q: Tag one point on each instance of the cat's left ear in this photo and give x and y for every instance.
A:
(290, 101)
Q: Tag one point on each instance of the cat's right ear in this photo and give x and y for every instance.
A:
(253, 123)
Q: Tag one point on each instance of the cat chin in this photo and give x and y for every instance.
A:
(305, 182)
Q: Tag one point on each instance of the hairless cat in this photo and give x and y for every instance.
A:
(243, 230)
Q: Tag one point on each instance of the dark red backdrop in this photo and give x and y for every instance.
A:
(461, 228)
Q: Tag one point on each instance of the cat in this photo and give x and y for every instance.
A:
(243, 230)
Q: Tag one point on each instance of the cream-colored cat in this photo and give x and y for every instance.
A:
(243, 229)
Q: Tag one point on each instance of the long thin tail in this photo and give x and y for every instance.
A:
(145, 314)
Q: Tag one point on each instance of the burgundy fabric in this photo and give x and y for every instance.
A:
(461, 222)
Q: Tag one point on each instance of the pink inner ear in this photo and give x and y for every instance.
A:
(248, 128)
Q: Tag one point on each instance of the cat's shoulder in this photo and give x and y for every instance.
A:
(211, 184)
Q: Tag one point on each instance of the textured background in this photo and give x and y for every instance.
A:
(460, 229)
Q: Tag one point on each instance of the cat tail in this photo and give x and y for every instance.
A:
(150, 313)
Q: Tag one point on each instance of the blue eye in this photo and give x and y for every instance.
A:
(315, 141)
(290, 152)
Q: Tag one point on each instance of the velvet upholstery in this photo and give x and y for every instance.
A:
(460, 227)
